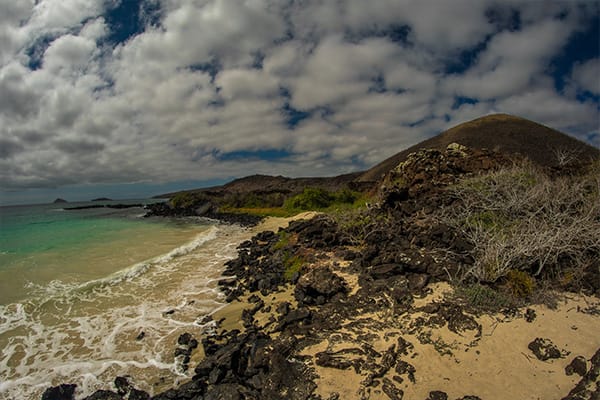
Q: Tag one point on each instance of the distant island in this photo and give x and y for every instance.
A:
(59, 200)
(102, 199)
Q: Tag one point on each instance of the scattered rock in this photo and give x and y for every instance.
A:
(577, 366)
(393, 392)
(104, 395)
(402, 367)
(184, 339)
(122, 384)
(530, 315)
(319, 282)
(136, 394)
(331, 360)
(437, 395)
(187, 344)
(60, 392)
(544, 349)
(588, 388)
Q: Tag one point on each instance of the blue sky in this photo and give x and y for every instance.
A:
(130, 98)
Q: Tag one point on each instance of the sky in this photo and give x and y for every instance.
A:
(132, 98)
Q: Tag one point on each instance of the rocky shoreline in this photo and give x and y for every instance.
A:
(329, 318)
(313, 315)
(206, 210)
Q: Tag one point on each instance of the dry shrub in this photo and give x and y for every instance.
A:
(519, 218)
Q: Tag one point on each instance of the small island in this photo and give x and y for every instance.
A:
(59, 200)
(102, 199)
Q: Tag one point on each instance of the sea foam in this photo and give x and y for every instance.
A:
(85, 333)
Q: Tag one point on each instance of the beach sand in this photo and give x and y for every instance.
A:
(492, 361)
(495, 365)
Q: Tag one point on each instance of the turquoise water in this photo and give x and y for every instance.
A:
(44, 243)
(77, 288)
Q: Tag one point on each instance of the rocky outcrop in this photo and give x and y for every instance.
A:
(544, 349)
(205, 210)
(427, 170)
(588, 388)
(319, 285)
(60, 392)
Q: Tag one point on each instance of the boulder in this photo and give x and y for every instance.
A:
(60, 392)
(577, 366)
(104, 395)
(318, 285)
(544, 349)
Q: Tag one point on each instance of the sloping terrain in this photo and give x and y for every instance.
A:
(500, 132)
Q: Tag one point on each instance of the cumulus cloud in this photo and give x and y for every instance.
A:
(587, 76)
(512, 61)
(206, 89)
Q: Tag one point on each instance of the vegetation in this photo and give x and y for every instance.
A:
(253, 200)
(519, 218)
(483, 297)
(317, 199)
(185, 200)
(520, 283)
(292, 265)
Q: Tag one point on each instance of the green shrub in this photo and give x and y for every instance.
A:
(483, 297)
(311, 199)
(346, 196)
(292, 265)
(320, 199)
(184, 200)
(520, 283)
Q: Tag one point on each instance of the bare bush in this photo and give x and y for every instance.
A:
(566, 156)
(519, 218)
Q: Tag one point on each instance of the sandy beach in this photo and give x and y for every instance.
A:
(490, 358)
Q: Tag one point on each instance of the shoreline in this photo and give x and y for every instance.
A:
(309, 335)
(455, 361)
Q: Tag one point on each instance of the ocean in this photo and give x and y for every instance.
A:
(88, 295)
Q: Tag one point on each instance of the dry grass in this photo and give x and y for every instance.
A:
(518, 218)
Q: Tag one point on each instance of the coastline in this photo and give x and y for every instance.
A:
(360, 306)
(483, 355)
(334, 335)
(120, 317)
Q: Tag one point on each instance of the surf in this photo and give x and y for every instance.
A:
(89, 332)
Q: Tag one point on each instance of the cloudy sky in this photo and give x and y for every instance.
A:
(130, 98)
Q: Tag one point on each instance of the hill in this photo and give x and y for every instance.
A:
(265, 184)
(500, 132)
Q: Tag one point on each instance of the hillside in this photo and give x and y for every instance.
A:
(505, 134)
(265, 184)
(501, 132)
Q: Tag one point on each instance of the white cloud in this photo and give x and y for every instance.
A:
(69, 52)
(512, 61)
(552, 109)
(587, 76)
(174, 101)
(337, 70)
(243, 83)
(95, 29)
